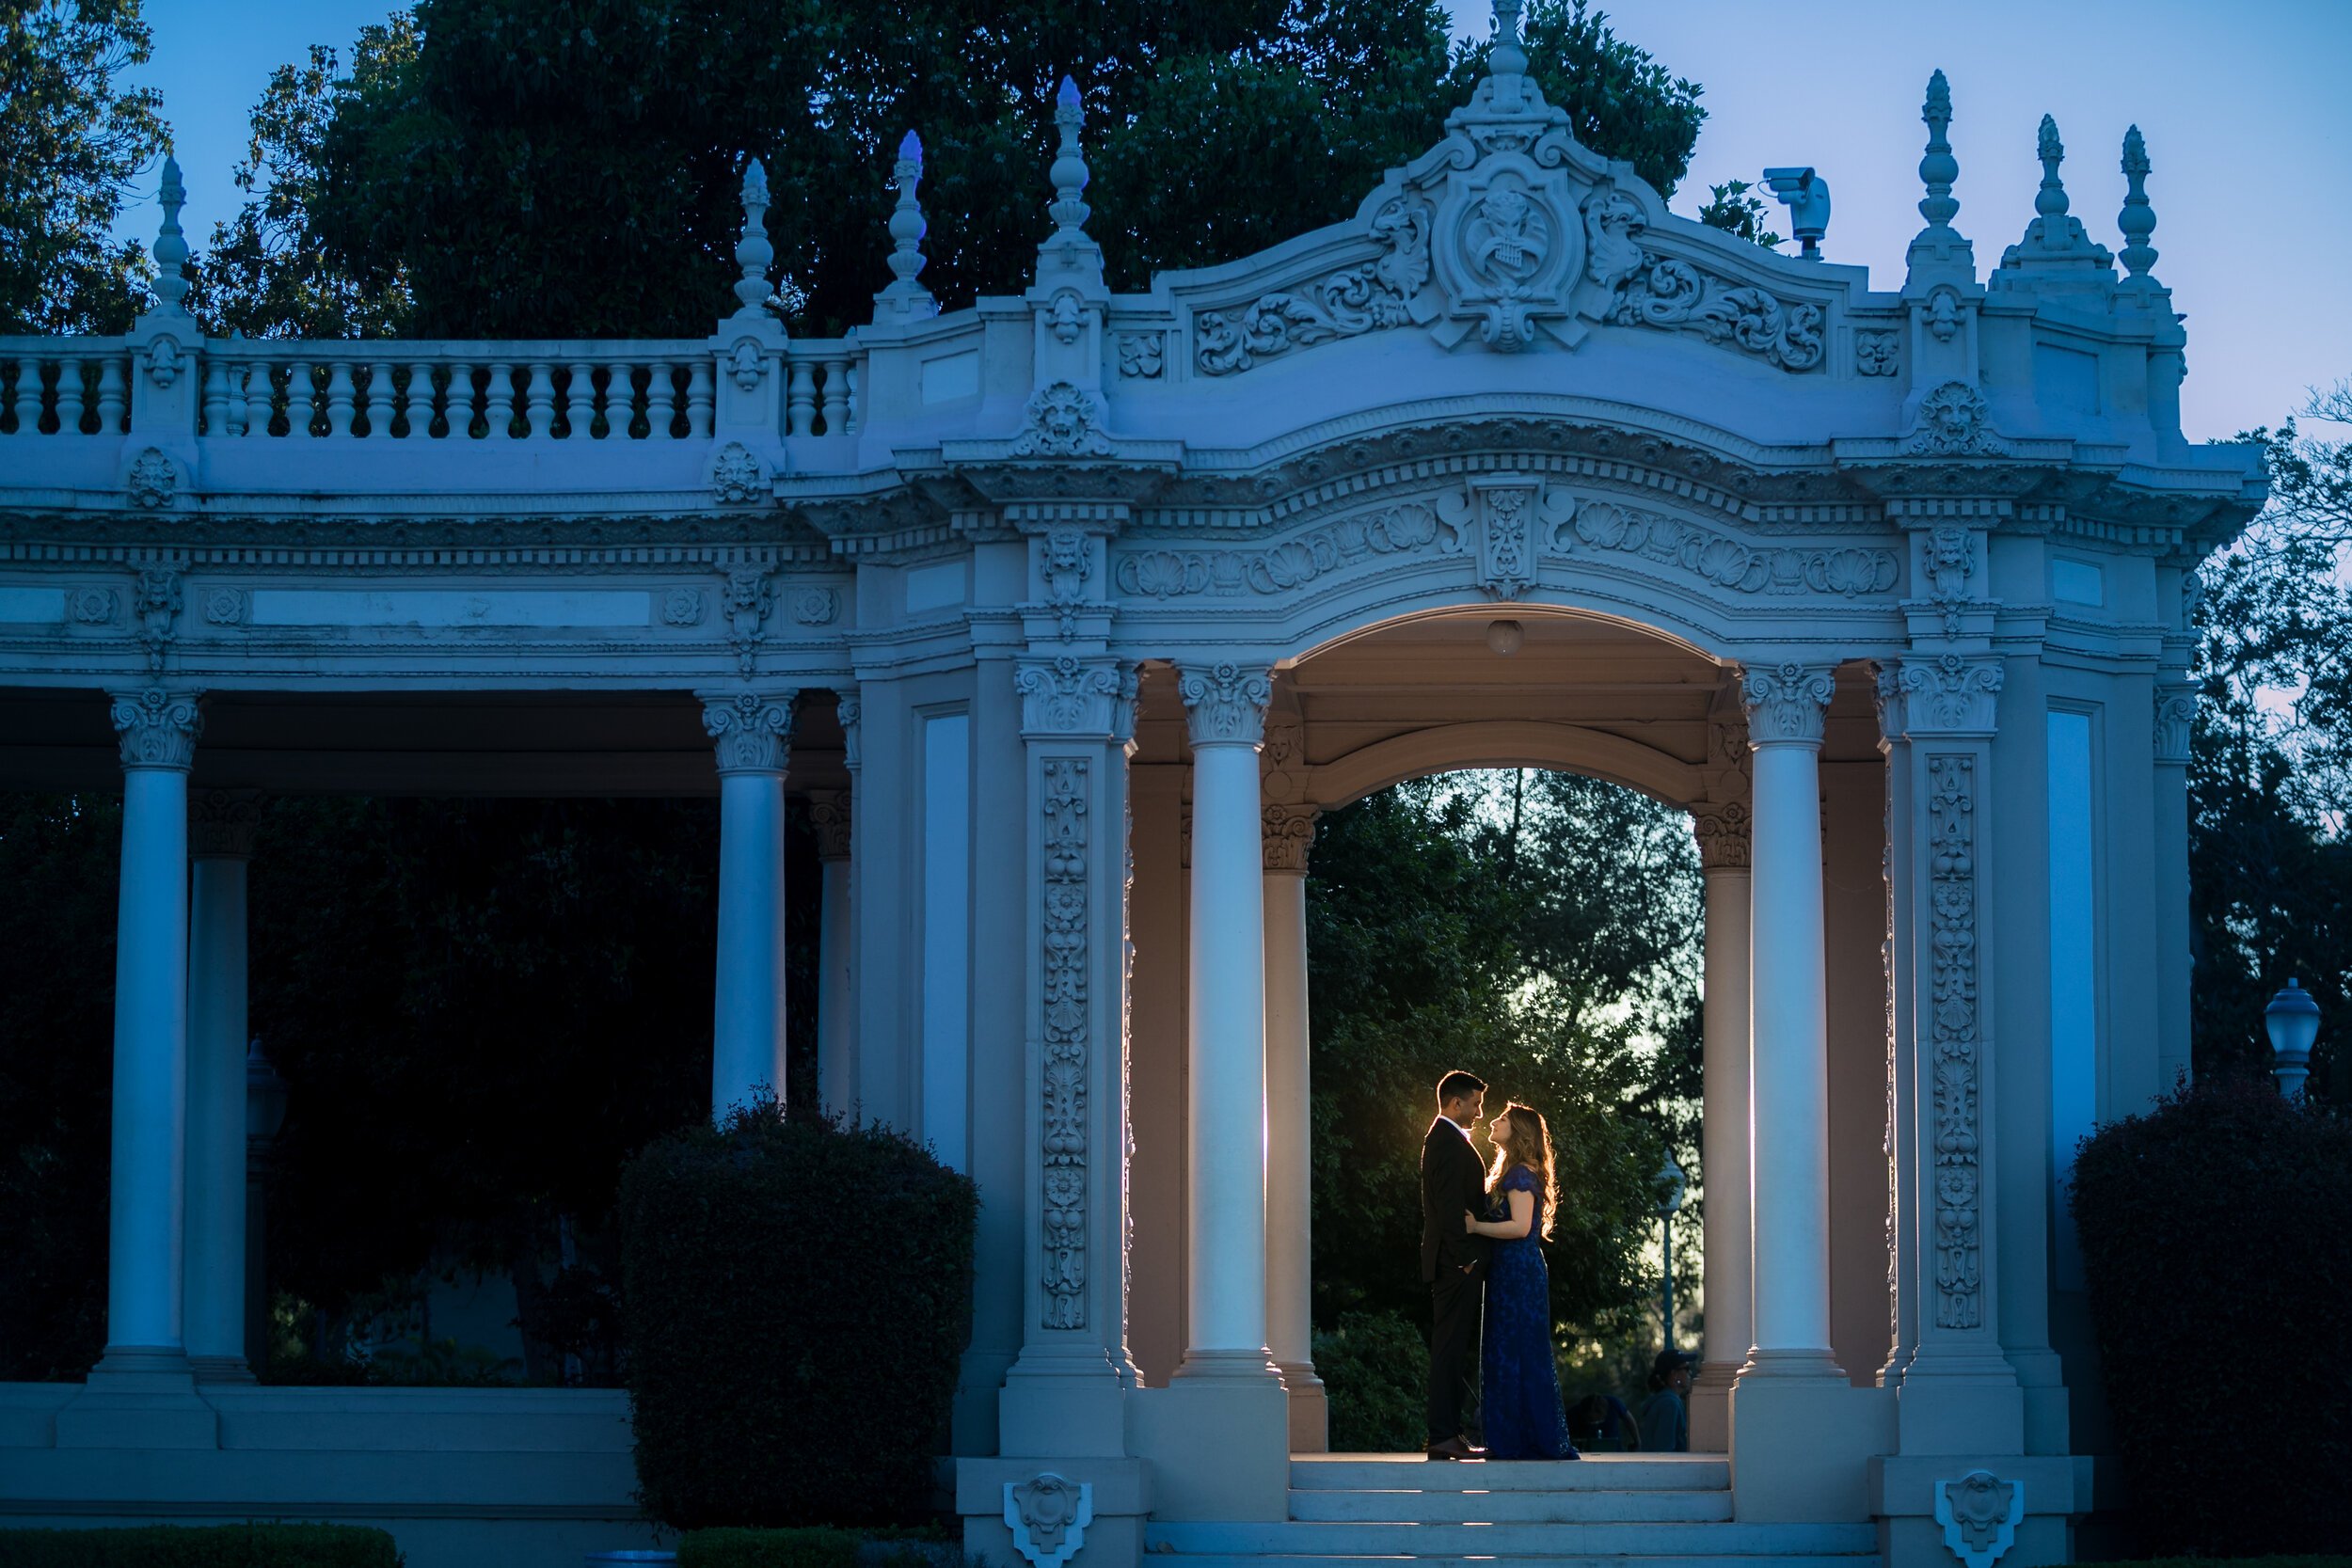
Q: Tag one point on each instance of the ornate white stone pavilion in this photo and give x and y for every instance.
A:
(1069, 613)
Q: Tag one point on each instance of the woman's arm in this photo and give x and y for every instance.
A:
(1522, 1219)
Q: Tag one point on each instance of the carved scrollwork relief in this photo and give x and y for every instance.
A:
(1343, 303)
(1952, 910)
(1726, 563)
(1066, 567)
(1288, 834)
(1950, 695)
(157, 728)
(224, 606)
(1674, 294)
(1063, 421)
(1722, 828)
(682, 607)
(1143, 355)
(153, 482)
(1225, 703)
(829, 813)
(736, 475)
(815, 607)
(157, 603)
(2176, 718)
(1877, 354)
(1071, 696)
(748, 600)
(751, 732)
(91, 606)
(1063, 992)
(1979, 1513)
(1955, 421)
(1787, 702)
(1048, 1515)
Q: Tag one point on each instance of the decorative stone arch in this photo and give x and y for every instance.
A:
(1507, 743)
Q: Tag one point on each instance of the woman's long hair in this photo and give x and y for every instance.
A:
(1527, 1142)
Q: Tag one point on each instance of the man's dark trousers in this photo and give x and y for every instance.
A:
(1454, 1265)
(1455, 1306)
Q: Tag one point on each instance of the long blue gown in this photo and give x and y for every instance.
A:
(1521, 1393)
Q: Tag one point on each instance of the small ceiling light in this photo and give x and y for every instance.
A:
(1505, 637)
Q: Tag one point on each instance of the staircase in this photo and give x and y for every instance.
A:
(1607, 1511)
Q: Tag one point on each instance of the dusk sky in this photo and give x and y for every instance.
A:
(2242, 105)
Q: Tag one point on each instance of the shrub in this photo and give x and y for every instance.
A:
(1375, 1367)
(2213, 1234)
(252, 1545)
(795, 1298)
(767, 1549)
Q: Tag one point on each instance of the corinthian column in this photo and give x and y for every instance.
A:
(1723, 851)
(753, 736)
(1790, 1081)
(1290, 1126)
(220, 841)
(1225, 709)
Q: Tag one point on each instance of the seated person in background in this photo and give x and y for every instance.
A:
(1665, 1417)
(1601, 1422)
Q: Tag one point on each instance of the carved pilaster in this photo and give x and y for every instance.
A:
(1941, 694)
(829, 813)
(221, 823)
(1951, 780)
(752, 731)
(1786, 702)
(1065, 958)
(1288, 835)
(1069, 696)
(2176, 719)
(1225, 703)
(849, 711)
(158, 728)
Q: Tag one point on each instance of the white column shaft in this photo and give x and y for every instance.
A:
(747, 1045)
(1790, 1084)
(836, 1043)
(1724, 1122)
(151, 1068)
(1290, 1223)
(1227, 1101)
(215, 1262)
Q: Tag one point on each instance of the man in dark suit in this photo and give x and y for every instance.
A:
(1453, 1264)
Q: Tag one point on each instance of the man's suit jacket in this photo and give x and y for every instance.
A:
(1453, 1182)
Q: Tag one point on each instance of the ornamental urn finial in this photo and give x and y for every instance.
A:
(1068, 173)
(171, 246)
(752, 253)
(2138, 219)
(2050, 202)
(1938, 169)
(905, 296)
(1509, 58)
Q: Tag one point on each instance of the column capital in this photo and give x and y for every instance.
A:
(1067, 696)
(157, 728)
(1287, 834)
(1224, 704)
(2176, 717)
(752, 731)
(851, 710)
(829, 813)
(1786, 702)
(1722, 829)
(1949, 696)
(221, 823)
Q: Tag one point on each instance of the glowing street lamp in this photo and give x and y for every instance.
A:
(2293, 1020)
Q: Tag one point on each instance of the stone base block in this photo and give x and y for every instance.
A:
(1063, 1406)
(1219, 1447)
(1310, 1410)
(2054, 1490)
(1118, 1492)
(1801, 1447)
(1711, 1407)
(139, 1400)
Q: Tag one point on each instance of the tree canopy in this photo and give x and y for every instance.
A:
(74, 139)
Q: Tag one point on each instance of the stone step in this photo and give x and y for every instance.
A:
(1842, 1560)
(1460, 1505)
(1611, 1472)
(1511, 1540)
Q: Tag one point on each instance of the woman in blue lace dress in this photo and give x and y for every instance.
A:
(1520, 1387)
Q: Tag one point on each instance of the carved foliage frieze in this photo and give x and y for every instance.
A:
(1954, 1044)
(1726, 563)
(1665, 291)
(1341, 304)
(1063, 994)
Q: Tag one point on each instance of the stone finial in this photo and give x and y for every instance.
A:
(2138, 220)
(1938, 169)
(905, 296)
(171, 246)
(752, 253)
(1509, 58)
(2050, 202)
(1068, 173)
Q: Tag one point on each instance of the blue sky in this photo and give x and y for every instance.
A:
(2240, 103)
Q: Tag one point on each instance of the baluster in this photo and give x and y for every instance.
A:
(541, 395)
(620, 401)
(579, 403)
(216, 396)
(12, 395)
(477, 409)
(69, 397)
(835, 407)
(302, 398)
(850, 418)
(343, 399)
(419, 403)
(238, 415)
(499, 405)
(110, 390)
(800, 400)
(662, 402)
(380, 395)
(698, 399)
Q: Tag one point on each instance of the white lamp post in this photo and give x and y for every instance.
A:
(2293, 1020)
(1670, 1188)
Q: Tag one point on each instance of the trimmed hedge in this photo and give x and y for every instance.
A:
(812, 1547)
(795, 1298)
(203, 1546)
(2216, 1237)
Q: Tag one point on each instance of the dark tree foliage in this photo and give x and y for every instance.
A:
(572, 168)
(2213, 1243)
(243, 1546)
(72, 141)
(753, 1259)
(2271, 765)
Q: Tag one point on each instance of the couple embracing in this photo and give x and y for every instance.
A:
(1495, 1394)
